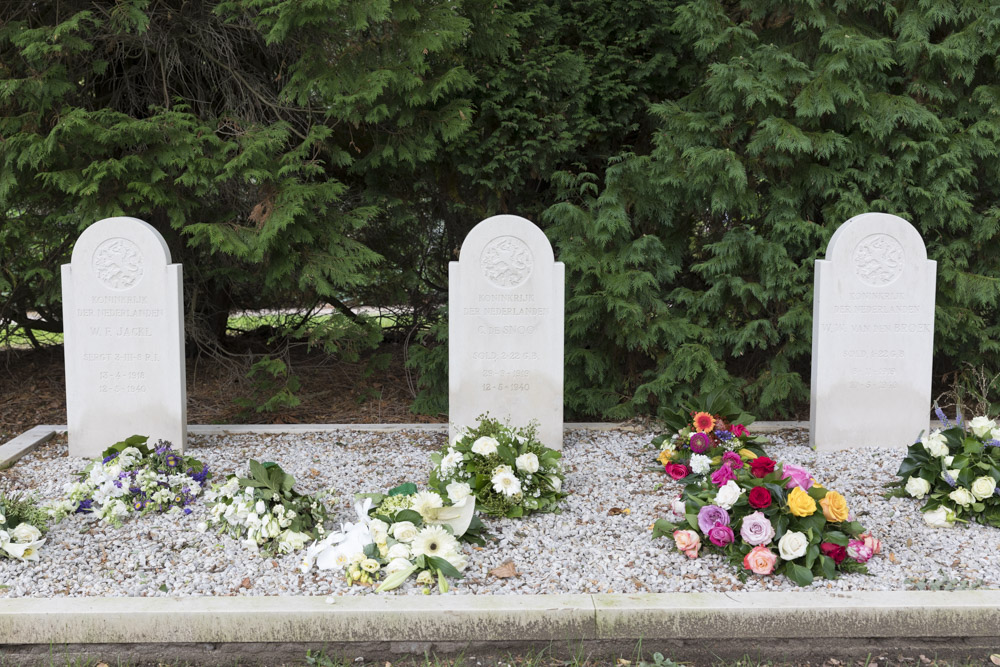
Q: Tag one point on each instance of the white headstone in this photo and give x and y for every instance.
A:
(873, 336)
(505, 329)
(124, 338)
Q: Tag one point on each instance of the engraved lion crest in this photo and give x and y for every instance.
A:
(118, 263)
(878, 260)
(506, 261)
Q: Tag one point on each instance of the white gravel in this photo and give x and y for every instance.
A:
(590, 547)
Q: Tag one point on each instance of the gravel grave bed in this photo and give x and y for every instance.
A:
(600, 543)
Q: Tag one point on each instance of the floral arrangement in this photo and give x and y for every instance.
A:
(956, 472)
(399, 534)
(508, 470)
(133, 478)
(265, 510)
(696, 441)
(22, 527)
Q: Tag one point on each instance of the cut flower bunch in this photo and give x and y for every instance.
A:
(956, 472)
(765, 517)
(507, 469)
(266, 511)
(133, 478)
(402, 533)
(22, 527)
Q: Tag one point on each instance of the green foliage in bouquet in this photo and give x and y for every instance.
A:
(402, 502)
(955, 472)
(23, 525)
(510, 472)
(747, 508)
(266, 511)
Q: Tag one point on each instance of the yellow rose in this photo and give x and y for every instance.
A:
(665, 456)
(800, 503)
(834, 507)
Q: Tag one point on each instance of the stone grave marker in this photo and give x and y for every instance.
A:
(505, 329)
(124, 338)
(873, 336)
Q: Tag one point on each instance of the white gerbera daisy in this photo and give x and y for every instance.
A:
(506, 482)
(424, 502)
(434, 541)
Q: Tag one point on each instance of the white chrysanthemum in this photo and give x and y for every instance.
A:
(527, 462)
(434, 541)
(506, 483)
(424, 502)
(700, 464)
(485, 446)
(457, 491)
(450, 461)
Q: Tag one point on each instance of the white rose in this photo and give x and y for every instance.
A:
(983, 487)
(527, 462)
(995, 434)
(458, 491)
(679, 507)
(201, 527)
(700, 464)
(404, 531)
(398, 550)
(792, 545)
(25, 532)
(982, 426)
(379, 530)
(485, 446)
(728, 495)
(962, 496)
(918, 487)
(397, 564)
(935, 444)
(939, 518)
(948, 460)
(953, 474)
(555, 482)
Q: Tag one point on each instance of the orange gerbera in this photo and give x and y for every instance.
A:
(703, 422)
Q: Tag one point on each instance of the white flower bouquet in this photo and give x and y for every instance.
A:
(265, 511)
(400, 534)
(22, 527)
(510, 472)
(133, 478)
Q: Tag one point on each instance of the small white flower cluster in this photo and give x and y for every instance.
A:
(255, 521)
(22, 542)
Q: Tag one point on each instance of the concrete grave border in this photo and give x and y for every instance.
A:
(704, 627)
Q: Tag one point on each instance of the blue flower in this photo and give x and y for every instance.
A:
(949, 479)
(112, 457)
(172, 460)
(139, 505)
(940, 415)
(85, 506)
(725, 436)
(187, 510)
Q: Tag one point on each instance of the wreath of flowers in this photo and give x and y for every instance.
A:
(23, 526)
(955, 471)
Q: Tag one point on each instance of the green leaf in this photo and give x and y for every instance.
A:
(441, 565)
(800, 575)
(412, 516)
(406, 489)
(663, 527)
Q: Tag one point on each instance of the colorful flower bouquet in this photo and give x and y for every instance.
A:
(266, 511)
(508, 470)
(955, 472)
(404, 532)
(133, 478)
(696, 441)
(767, 518)
(22, 527)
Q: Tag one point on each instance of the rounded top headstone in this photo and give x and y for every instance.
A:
(508, 248)
(119, 252)
(878, 246)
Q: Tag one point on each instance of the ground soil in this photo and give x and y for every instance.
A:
(33, 391)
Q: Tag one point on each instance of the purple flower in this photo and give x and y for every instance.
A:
(112, 457)
(187, 510)
(723, 435)
(993, 443)
(721, 535)
(756, 529)
(700, 443)
(949, 480)
(85, 506)
(709, 515)
(172, 460)
(797, 476)
(722, 475)
(733, 459)
(940, 415)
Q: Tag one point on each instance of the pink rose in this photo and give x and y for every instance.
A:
(721, 535)
(859, 551)
(797, 477)
(688, 542)
(756, 529)
(760, 560)
(871, 542)
(733, 459)
(722, 475)
(739, 430)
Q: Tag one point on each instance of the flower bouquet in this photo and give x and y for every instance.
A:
(22, 527)
(955, 472)
(266, 511)
(697, 441)
(133, 478)
(404, 532)
(508, 470)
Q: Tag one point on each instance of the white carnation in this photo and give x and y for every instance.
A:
(700, 464)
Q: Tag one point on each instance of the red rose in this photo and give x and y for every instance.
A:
(761, 466)
(676, 470)
(759, 497)
(834, 551)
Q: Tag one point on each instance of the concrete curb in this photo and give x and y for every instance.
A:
(684, 626)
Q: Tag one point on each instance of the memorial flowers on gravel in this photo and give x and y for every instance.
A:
(399, 534)
(265, 511)
(22, 527)
(507, 469)
(955, 472)
(133, 478)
